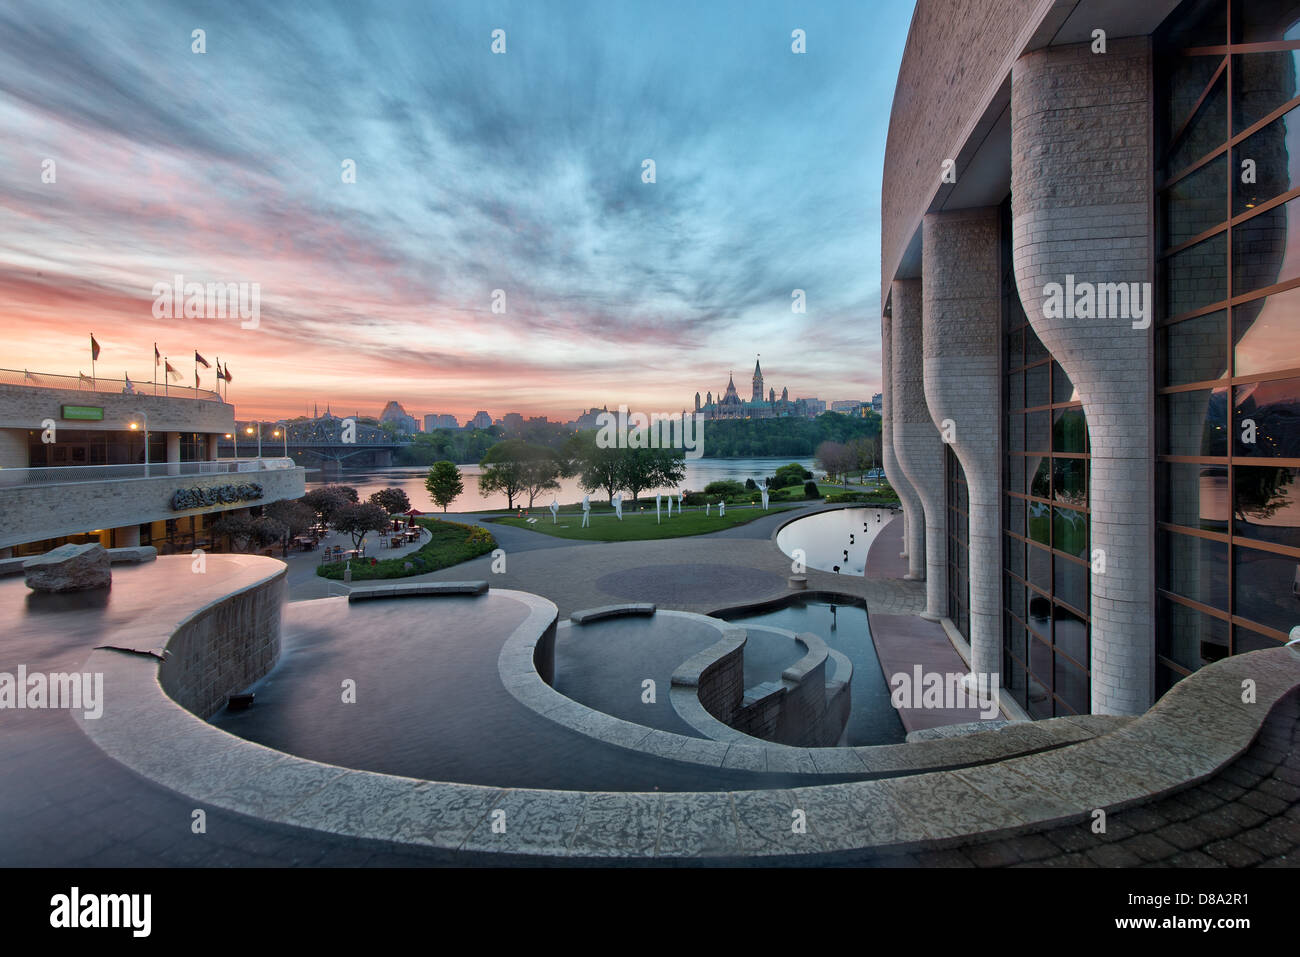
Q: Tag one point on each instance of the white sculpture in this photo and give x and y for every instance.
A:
(765, 495)
(618, 506)
(707, 506)
(586, 510)
(555, 511)
(657, 507)
(722, 509)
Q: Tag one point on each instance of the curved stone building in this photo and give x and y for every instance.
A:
(1091, 319)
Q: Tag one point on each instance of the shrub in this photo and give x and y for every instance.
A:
(751, 485)
(726, 488)
(810, 490)
(450, 543)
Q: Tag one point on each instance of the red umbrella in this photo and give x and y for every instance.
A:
(412, 513)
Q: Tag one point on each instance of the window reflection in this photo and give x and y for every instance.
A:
(1267, 333)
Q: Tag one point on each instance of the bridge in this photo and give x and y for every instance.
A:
(315, 447)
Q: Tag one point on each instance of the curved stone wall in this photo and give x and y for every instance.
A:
(910, 501)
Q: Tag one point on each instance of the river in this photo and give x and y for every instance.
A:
(410, 479)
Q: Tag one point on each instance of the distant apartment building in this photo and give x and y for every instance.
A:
(813, 407)
(847, 406)
(481, 420)
(393, 412)
(513, 423)
(589, 419)
(877, 402)
(437, 420)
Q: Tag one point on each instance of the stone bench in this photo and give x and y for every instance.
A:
(588, 615)
(416, 589)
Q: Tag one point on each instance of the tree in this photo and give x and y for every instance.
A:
(325, 501)
(597, 468)
(864, 451)
(293, 515)
(237, 527)
(359, 520)
(834, 458)
(392, 500)
(444, 483)
(516, 468)
(641, 469)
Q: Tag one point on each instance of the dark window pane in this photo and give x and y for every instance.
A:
(1038, 431)
(1040, 702)
(1070, 532)
(1015, 638)
(1072, 584)
(1267, 504)
(1266, 588)
(1197, 422)
(1072, 686)
(1254, 21)
(1040, 658)
(1196, 203)
(1267, 333)
(1266, 419)
(1207, 129)
(1016, 515)
(1015, 350)
(1040, 482)
(1040, 527)
(1015, 471)
(1017, 684)
(1197, 276)
(1036, 386)
(1195, 350)
(1016, 391)
(1034, 349)
(1015, 432)
(1069, 430)
(1261, 83)
(1190, 637)
(1016, 600)
(1062, 387)
(1261, 255)
(1040, 567)
(1196, 568)
(1070, 481)
(1196, 496)
(1276, 170)
(1246, 639)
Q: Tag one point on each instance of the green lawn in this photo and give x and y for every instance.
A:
(636, 526)
(450, 543)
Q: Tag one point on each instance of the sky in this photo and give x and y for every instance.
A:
(475, 171)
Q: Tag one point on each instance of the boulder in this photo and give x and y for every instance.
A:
(69, 568)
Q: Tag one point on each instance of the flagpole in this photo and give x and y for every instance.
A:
(92, 363)
(155, 368)
(166, 380)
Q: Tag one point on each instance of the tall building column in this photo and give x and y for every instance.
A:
(173, 453)
(897, 479)
(917, 444)
(1081, 194)
(961, 319)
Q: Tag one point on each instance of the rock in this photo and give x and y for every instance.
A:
(69, 568)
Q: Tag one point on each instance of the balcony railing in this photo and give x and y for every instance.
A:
(76, 474)
(85, 383)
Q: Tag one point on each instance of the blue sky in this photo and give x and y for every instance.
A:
(475, 172)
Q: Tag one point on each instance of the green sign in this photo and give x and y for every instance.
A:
(88, 412)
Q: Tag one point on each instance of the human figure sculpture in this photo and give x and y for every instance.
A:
(722, 509)
(657, 508)
(555, 511)
(618, 506)
(586, 510)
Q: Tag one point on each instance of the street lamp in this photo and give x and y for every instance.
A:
(284, 435)
(249, 430)
(135, 427)
(234, 437)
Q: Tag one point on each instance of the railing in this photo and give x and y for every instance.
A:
(85, 383)
(74, 474)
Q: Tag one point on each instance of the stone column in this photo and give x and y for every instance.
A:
(917, 445)
(1081, 187)
(961, 319)
(173, 453)
(126, 536)
(897, 479)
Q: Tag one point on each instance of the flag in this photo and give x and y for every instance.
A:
(200, 360)
(227, 371)
(197, 383)
(28, 377)
(82, 377)
(157, 356)
(170, 371)
(130, 386)
(220, 375)
(94, 348)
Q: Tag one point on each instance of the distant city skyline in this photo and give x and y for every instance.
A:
(127, 159)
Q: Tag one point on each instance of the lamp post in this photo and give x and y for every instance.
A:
(283, 434)
(135, 427)
(234, 437)
(249, 430)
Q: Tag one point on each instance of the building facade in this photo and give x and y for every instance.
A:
(729, 404)
(123, 469)
(1091, 316)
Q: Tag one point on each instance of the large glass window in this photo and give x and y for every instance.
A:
(1047, 596)
(1228, 360)
(958, 543)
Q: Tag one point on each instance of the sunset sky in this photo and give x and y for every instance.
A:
(475, 172)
